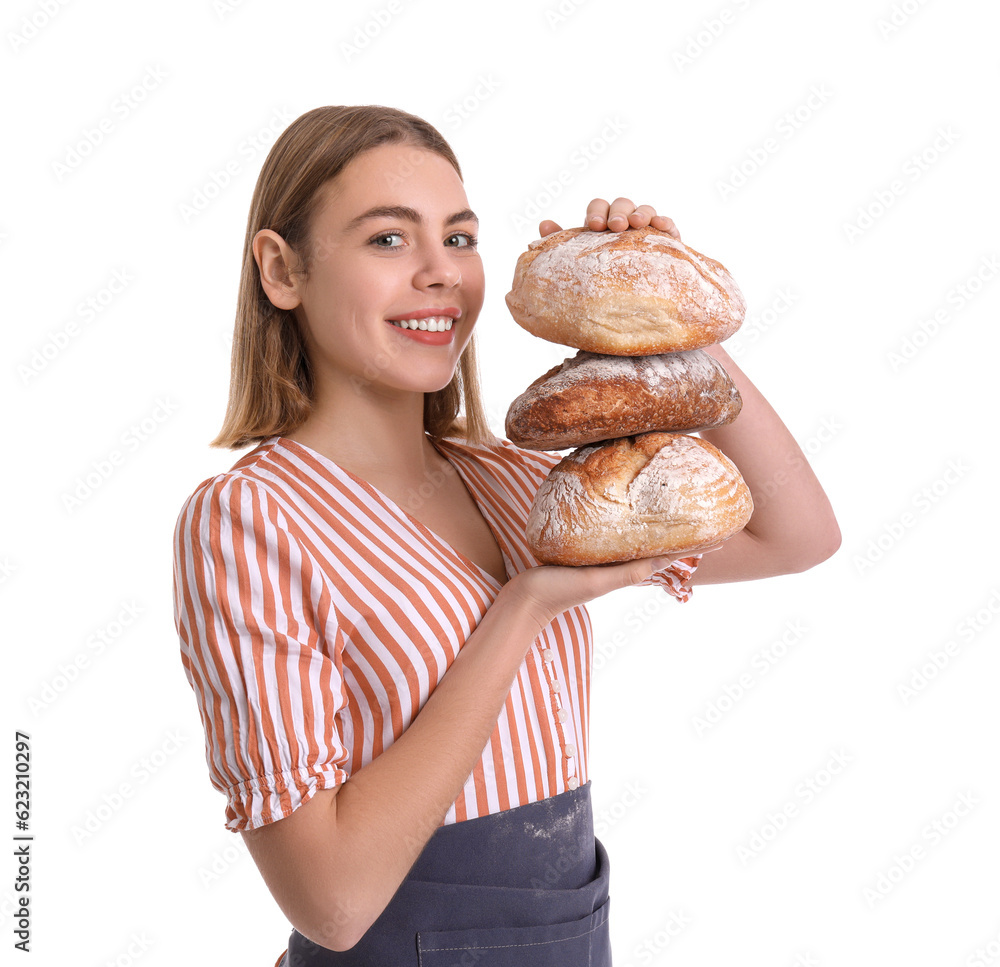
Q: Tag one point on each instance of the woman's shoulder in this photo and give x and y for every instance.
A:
(246, 481)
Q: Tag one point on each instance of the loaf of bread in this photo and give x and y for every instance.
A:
(592, 397)
(639, 496)
(634, 293)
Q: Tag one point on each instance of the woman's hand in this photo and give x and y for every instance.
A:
(548, 590)
(616, 217)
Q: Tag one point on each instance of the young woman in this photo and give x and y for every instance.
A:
(395, 694)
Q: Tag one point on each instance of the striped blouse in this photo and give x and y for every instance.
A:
(316, 615)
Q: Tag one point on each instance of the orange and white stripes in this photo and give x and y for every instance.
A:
(316, 615)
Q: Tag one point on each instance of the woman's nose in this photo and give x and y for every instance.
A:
(437, 267)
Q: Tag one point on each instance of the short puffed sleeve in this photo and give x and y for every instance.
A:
(261, 649)
(675, 578)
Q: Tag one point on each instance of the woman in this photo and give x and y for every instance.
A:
(366, 562)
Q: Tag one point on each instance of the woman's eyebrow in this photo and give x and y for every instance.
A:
(405, 213)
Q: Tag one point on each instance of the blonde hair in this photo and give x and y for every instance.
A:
(270, 382)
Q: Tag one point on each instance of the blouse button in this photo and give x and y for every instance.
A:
(573, 782)
(556, 686)
(570, 751)
(562, 715)
(548, 655)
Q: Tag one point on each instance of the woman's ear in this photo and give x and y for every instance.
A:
(276, 262)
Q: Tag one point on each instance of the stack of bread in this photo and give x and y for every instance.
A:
(638, 305)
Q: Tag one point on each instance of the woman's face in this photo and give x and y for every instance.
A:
(393, 238)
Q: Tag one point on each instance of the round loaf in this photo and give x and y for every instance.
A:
(634, 293)
(640, 496)
(593, 397)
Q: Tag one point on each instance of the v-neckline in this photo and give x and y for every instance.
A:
(424, 529)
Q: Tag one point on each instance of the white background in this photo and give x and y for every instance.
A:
(840, 273)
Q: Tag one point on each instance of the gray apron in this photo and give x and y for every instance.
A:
(527, 887)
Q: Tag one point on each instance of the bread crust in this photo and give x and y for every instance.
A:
(636, 497)
(593, 397)
(635, 293)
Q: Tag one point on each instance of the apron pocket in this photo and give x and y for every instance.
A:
(578, 943)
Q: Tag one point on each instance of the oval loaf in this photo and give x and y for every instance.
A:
(633, 293)
(639, 496)
(593, 397)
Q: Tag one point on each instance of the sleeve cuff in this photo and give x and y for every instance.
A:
(266, 799)
(675, 579)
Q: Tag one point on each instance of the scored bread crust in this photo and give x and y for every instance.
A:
(593, 397)
(634, 293)
(636, 497)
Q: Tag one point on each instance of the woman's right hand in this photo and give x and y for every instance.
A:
(548, 590)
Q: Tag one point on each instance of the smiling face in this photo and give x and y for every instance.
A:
(392, 238)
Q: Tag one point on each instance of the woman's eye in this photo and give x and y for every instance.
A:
(460, 240)
(385, 240)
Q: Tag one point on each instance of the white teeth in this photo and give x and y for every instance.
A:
(431, 324)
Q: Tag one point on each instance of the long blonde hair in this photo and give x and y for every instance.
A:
(270, 382)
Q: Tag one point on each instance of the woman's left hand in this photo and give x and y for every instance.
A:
(616, 217)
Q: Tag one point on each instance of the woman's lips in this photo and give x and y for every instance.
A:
(436, 336)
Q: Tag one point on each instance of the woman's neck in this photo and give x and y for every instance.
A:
(370, 435)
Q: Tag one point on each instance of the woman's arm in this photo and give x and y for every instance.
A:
(334, 864)
(793, 526)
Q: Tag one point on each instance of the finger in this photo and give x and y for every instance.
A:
(547, 228)
(642, 216)
(621, 208)
(665, 224)
(597, 215)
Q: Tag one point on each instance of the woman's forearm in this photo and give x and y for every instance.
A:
(335, 863)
